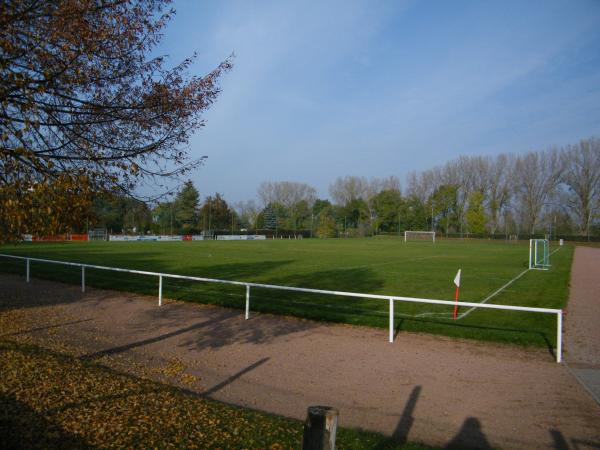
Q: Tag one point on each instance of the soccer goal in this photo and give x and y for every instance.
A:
(539, 254)
(419, 236)
(97, 234)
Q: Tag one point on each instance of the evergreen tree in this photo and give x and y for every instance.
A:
(187, 208)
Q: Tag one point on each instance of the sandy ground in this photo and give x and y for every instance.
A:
(583, 320)
(431, 389)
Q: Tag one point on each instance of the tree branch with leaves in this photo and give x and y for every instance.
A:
(86, 107)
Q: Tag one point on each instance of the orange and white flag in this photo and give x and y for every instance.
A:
(457, 278)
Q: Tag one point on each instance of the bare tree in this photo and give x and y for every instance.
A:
(500, 178)
(422, 185)
(248, 212)
(537, 176)
(582, 177)
(286, 193)
(345, 189)
(391, 183)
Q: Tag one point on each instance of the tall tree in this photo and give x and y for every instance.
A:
(388, 204)
(500, 179)
(475, 215)
(444, 203)
(187, 208)
(164, 218)
(537, 176)
(581, 174)
(85, 107)
(248, 213)
(120, 213)
(326, 226)
(216, 214)
(286, 193)
(346, 189)
(295, 198)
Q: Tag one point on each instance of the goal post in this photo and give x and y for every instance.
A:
(539, 254)
(98, 234)
(419, 236)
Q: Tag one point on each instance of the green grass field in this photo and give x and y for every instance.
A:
(383, 265)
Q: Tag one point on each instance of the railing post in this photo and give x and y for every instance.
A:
(82, 278)
(320, 428)
(160, 290)
(391, 320)
(559, 337)
(27, 271)
(247, 301)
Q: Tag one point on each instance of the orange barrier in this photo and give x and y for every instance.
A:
(60, 238)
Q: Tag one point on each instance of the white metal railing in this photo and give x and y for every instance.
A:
(248, 285)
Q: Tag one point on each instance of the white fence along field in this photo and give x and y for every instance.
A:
(390, 298)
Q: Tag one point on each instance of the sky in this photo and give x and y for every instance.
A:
(321, 89)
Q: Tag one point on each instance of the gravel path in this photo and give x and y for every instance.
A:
(582, 341)
(432, 389)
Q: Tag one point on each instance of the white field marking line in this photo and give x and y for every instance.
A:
(485, 300)
(492, 295)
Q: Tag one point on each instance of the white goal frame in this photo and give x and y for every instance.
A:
(419, 233)
(539, 254)
(98, 234)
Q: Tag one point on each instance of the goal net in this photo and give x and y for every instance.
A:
(539, 254)
(419, 236)
(97, 234)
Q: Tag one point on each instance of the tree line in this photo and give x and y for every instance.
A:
(544, 192)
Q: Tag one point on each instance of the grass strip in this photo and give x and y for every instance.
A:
(51, 400)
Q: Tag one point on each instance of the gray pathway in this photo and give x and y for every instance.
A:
(583, 320)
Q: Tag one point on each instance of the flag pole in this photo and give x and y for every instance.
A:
(457, 283)
(456, 301)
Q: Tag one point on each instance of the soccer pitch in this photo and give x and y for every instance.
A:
(382, 265)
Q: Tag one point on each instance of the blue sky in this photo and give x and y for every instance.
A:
(331, 88)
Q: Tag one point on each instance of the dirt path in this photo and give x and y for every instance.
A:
(582, 341)
(421, 388)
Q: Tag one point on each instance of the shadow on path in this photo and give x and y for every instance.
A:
(400, 435)
(469, 436)
(162, 337)
(232, 378)
(560, 442)
(401, 322)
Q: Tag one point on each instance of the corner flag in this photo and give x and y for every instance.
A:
(457, 283)
(457, 278)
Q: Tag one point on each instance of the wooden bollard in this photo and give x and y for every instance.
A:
(320, 428)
